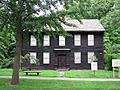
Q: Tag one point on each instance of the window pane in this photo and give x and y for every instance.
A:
(77, 37)
(46, 56)
(33, 41)
(77, 57)
(46, 40)
(61, 41)
(90, 40)
(90, 56)
(33, 58)
(77, 40)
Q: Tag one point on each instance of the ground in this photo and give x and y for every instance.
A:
(38, 84)
(59, 85)
(68, 74)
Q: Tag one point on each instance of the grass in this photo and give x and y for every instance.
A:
(26, 84)
(69, 74)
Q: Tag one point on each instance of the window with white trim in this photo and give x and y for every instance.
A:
(33, 57)
(46, 41)
(46, 58)
(77, 57)
(61, 41)
(33, 41)
(90, 40)
(77, 40)
(90, 56)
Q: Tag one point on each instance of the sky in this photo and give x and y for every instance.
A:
(47, 12)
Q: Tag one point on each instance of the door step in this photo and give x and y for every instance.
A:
(63, 69)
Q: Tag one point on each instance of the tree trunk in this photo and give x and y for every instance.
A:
(17, 58)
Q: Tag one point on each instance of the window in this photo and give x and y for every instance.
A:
(46, 40)
(90, 40)
(33, 41)
(77, 40)
(33, 58)
(46, 58)
(77, 57)
(90, 56)
(61, 41)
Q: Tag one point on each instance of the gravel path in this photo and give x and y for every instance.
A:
(62, 78)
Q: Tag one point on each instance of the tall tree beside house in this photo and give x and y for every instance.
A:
(24, 16)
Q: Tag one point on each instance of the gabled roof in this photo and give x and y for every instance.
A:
(86, 25)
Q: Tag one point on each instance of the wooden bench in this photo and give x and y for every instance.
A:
(37, 72)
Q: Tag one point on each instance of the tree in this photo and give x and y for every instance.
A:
(112, 37)
(7, 46)
(88, 9)
(23, 16)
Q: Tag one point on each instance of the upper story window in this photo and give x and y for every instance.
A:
(46, 58)
(77, 57)
(77, 40)
(90, 40)
(33, 41)
(90, 56)
(33, 57)
(61, 41)
(46, 41)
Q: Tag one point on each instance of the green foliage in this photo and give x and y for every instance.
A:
(27, 57)
(7, 46)
(112, 34)
(95, 9)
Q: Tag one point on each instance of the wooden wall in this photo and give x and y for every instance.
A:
(84, 48)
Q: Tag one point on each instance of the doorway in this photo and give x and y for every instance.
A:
(62, 61)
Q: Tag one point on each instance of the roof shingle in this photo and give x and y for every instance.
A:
(86, 25)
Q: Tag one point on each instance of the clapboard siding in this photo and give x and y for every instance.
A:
(54, 43)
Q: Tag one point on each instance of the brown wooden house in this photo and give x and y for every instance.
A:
(72, 52)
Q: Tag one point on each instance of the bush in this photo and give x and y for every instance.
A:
(6, 63)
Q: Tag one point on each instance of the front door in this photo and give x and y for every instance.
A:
(62, 61)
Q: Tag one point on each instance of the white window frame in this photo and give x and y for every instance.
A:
(33, 41)
(46, 41)
(77, 57)
(61, 41)
(90, 40)
(90, 56)
(33, 57)
(46, 58)
(77, 40)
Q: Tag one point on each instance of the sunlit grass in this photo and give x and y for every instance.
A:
(26, 84)
(69, 74)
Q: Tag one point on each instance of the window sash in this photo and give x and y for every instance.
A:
(77, 40)
(46, 58)
(77, 57)
(46, 40)
(90, 40)
(90, 56)
(61, 41)
(33, 41)
(33, 57)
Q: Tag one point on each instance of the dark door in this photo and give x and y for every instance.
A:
(62, 61)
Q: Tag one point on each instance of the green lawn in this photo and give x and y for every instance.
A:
(70, 74)
(26, 84)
